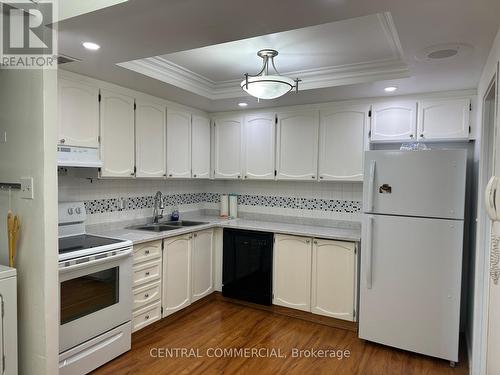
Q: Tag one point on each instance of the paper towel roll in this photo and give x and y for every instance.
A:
(233, 206)
(224, 205)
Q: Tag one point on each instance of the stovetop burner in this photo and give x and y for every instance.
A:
(83, 242)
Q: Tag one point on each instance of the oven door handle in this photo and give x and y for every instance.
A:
(123, 254)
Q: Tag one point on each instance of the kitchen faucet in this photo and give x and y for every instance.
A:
(158, 205)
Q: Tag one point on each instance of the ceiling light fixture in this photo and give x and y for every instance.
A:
(390, 89)
(268, 86)
(91, 46)
(242, 104)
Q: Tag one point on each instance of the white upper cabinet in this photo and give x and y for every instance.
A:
(292, 272)
(202, 264)
(150, 140)
(200, 147)
(333, 279)
(117, 135)
(227, 143)
(297, 145)
(259, 145)
(443, 119)
(393, 121)
(178, 143)
(342, 144)
(176, 287)
(78, 114)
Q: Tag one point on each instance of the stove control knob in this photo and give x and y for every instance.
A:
(78, 210)
(70, 211)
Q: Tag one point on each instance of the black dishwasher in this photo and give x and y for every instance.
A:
(247, 266)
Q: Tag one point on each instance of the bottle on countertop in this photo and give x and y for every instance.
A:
(175, 214)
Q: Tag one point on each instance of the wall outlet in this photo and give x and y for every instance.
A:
(27, 188)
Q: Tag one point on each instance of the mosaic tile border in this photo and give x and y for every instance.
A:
(99, 206)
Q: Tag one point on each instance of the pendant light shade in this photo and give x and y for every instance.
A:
(268, 86)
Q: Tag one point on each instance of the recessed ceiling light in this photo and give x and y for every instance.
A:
(91, 46)
(242, 104)
(390, 89)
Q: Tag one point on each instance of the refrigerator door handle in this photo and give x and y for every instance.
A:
(371, 182)
(369, 229)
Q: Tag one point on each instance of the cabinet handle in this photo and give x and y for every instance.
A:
(421, 136)
(170, 175)
(132, 174)
(164, 175)
(195, 235)
(194, 176)
(146, 295)
(315, 242)
(313, 177)
(190, 237)
(146, 252)
(146, 317)
(62, 141)
(147, 273)
(320, 177)
(239, 176)
(246, 176)
(411, 135)
(308, 241)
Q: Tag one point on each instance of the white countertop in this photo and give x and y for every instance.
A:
(119, 229)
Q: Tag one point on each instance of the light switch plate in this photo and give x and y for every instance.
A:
(27, 187)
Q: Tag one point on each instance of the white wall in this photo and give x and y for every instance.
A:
(27, 114)
(479, 264)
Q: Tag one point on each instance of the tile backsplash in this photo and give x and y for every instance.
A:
(114, 200)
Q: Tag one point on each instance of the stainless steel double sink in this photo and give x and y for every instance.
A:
(166, 225)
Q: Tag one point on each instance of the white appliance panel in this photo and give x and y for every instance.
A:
(427, 183)
(410, 284)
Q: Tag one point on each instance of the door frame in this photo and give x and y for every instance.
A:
(478, 346)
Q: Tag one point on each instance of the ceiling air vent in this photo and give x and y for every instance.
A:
(61, 59)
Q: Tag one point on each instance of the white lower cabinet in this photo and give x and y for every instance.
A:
(176, 273)
(146, 292)
(202, 280)
(315, 275)
(333, 279)
(292, 272)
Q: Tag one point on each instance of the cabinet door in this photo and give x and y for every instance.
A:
(393, 121)
(297, 146)
(227, 155)
(200, 147)
(78, 114)
(117, 135)
(259, 146)
(443, 119)
(292, 272)
(342, 143)
(176, 274)
(333, 279)
(202, 265)
(150, 139)
(178, 144)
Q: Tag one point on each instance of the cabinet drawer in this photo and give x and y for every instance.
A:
(146, 294)
(146, 272)
(147, 251)
(145, 316)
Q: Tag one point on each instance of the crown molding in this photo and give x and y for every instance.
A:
(392, 68)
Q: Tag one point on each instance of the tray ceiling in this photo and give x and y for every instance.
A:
(357, 50)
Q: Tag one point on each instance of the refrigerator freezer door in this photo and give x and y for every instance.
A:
(415, 183)
(410, 284)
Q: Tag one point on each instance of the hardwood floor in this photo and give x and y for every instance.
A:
(220, 324)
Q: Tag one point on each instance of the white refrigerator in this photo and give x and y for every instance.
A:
(411, 250)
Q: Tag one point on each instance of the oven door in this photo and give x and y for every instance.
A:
(95, 295)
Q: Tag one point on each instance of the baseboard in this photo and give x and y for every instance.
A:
(298, 314)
